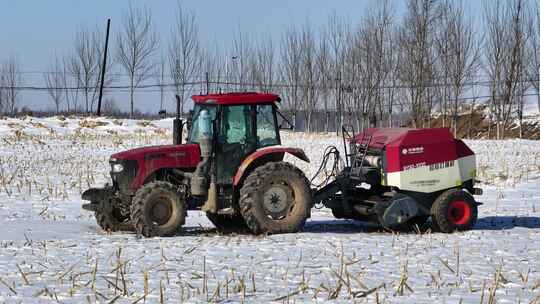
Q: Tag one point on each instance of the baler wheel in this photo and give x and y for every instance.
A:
(158, 209)
(454, 210)
(227, 223)
(112, 220)
(275, 198)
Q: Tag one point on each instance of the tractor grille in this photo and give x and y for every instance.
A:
(122, 180)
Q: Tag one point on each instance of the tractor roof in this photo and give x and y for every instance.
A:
(236, 98)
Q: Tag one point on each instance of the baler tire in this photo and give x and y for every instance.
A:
(108, 221)
(441, 212)
(227, 223)
(142, 205)
(252, 198)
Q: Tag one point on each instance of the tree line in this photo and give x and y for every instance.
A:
(431, 58)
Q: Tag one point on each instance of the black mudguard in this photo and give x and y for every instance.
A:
(400, 209)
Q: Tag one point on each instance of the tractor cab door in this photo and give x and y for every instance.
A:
(242, 130)
(236, 140)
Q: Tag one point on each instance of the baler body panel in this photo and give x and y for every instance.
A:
(420, 160)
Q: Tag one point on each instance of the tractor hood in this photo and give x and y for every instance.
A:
(187, 155)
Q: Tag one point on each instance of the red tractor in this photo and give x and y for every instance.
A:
(232, 168)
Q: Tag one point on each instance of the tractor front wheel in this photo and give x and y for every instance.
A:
(275, 198)
(112, 220)
(454, 210)
(158, 209)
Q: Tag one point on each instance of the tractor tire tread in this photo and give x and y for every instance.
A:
(137, 209)
(107, 222)
(253, 184)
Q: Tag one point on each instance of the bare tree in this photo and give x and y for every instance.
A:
(325, 75)
(353, 82)
(392, 66)
(238, 70)
(309, 73)
(262, 65)
(184, 52)
(3, 89)
(374, 53)
(213, 65)
(338, 31)
(11, 73)
(54, 82)
(416, 60)
(136, 46)
(160, 80)
(533, 52)
(291, 54)
(458, 53)
(85, 64)
(504, 51)
(71, 82)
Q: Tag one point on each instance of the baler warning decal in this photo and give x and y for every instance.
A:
(443, 165)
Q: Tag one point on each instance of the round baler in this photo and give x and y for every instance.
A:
(401, 177)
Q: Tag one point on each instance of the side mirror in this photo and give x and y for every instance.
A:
(162, 113)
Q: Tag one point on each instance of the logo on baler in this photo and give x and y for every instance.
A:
(413, 150)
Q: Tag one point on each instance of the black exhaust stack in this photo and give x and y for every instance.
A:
(178, 125)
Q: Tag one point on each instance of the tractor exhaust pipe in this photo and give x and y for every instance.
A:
(177, 124)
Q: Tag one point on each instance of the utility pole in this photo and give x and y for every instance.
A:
(104, 67)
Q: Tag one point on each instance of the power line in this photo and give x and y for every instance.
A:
(253, 85)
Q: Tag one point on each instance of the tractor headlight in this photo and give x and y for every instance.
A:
(117, 168)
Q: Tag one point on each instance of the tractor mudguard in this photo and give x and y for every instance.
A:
(299, 153)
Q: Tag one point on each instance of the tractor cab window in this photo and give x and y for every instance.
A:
(195, 131)
(267, 131)
(236, 125)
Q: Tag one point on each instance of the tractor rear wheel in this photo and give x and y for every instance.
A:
(227, 223)
(454, 210)
(158, 209)
(112, 220)
(275, 198)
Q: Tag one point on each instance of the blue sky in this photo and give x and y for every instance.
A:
(34, 30)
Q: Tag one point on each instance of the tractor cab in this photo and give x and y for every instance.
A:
(238, 124)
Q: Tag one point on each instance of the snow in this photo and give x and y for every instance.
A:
(51, 250)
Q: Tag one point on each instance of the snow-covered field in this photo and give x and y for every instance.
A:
(51, 250)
